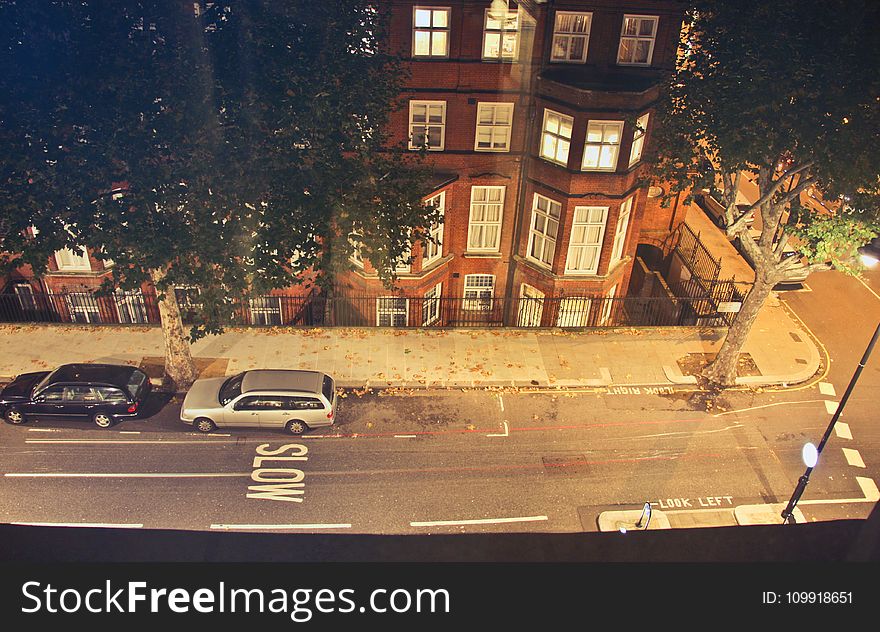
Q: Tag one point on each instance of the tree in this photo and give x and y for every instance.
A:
(786, 92)
(230, 147)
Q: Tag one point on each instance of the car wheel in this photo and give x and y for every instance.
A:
(205, 425)
(296, 427)
(15, 417)
(102, 420)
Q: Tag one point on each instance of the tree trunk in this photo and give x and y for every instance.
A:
(180, 370)
(722, 370)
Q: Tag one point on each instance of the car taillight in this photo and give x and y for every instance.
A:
(330, 414)
(133, 408)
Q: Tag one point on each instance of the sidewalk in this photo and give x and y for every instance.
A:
(378, 358)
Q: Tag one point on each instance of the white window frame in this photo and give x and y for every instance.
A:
(558, 140)
(569, 36)
(636, 38)
(431, 251)
(503, 33)
(388, 306)
(27, 299)
(268, 308)
(431, 30)
(579, 243)
(68, 260)
(477, 295)
(541, 239)
(494, 128)
(427, 124)
(88, 307)
(608, 306)
(431, 305)
(638, 141)
(574, 311)
(131, 307)
(606, 129)
(621, 230)
(483, 224)
(531, 306)
(356, 257)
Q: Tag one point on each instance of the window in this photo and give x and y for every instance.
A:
(531, 307)
(571, 36)
(110, 394)
(68, 259)
(602, 146)
(431, 305)
(433, 250)
(83, 308)
(392, 311)
(585, 243)
(500, 35)
(573, 312)
(53, 394)
(608, 307)
(620, 233)
(556, 139)
(131, 307)
(427, 124)
(484, 228)
(25, 294)
(356, 257)
(494, 122)
(430, 32)
(304, 403)
(637, 40)
(545, 226)
(265, 310)
(635, 154)
(478, 292)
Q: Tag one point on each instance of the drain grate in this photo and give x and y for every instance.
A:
(566, 465)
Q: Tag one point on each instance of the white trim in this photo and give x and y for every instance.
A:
(584, 244)
(637, 38)
(432, 303)
(569, 36)
(487, 203)
(393, 311)
(480, 292)
(602, 145)
(427, 124)
(558, 137)
(638, 138)
(494, 127)
(502, 33)
(546, 239)
(620, 232)
(435, 231)
(68, 260)
(431, 30)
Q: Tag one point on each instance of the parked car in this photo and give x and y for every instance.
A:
(797, 275)
(262, 398)
(715, 210)
(103, 393)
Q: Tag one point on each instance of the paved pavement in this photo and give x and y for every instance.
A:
(379, 358)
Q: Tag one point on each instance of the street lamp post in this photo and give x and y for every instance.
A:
(811, 457)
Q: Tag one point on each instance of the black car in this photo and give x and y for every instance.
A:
(103, 393)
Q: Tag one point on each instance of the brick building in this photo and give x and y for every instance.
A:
(536, 115)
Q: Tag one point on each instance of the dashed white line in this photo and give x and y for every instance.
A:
(42, 430)
(743, 410)
(448, 523)
(869, 488)
(126, 442)
(277, 527)
(831, 407)
(827, 388)
(853, 457)
(867, 287)
(501, 402)
(126, 474)
(841, 429)
(404, 436)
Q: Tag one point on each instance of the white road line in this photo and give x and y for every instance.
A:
(841, 429)
(129, 432)
(831, 407)
(501, 402)
(743, 410)
(869, 488)
(506, 431)
(853, 457)
(826, 388)
(445, 523)
(42, 430)
(126, 474)
(256, 527)
(101, 525)
(126, 442)
(404, 436)
(868, 287)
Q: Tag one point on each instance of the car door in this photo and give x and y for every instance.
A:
(47, 403)
(242, 412)
(274, 411)
(79, 400)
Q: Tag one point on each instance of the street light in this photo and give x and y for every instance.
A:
(810, 453)
(870, 252)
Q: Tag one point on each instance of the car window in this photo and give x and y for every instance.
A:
(53, 394)
(78, 393)
(135, 382)
(110, 394)
(260, 402)
(327, 388)
(231, 388)
(306, 403)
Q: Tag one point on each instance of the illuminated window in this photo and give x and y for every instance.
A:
(585, 243)
(544, 228)
(602, 145)
(571, 37)
(484, 227)
(494, 122)
(620, 233)
(431, 31)
(638, 143)
(427, 124)
(500, 35)
(556, 137)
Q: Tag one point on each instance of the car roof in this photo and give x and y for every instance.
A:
(281, 380)
(116, 374)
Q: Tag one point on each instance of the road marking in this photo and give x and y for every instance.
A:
(853, 457)
(101, 525)
(404, 436)
(869, 488)
(826, 388)
(447, 523)
(125, 474)
(42, 430)
(868, 287)
(831, 407)
(841, 429)
(506, 431)
(129, 432)
(742, 410)
(815, 338)
(501, 402)
(277, 527)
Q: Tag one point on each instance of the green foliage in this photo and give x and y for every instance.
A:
(232, 149)
(833, 239)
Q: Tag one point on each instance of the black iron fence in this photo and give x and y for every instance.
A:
(696, 256)
(385, 311)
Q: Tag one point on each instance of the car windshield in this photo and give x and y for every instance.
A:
(231, 388)
(135, 382)
(44, 382)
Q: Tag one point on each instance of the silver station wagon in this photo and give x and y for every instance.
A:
(262, 398)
